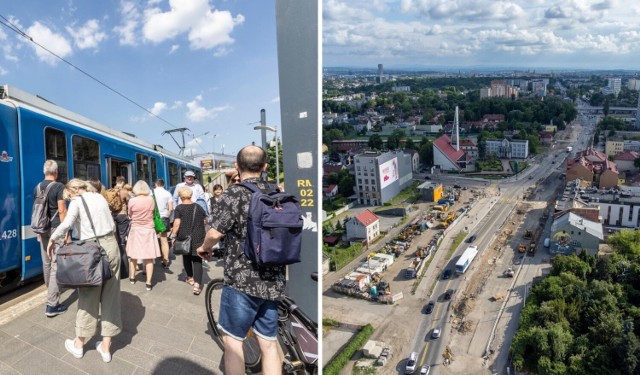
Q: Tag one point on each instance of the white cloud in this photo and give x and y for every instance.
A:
(174, 48)
(206, 28)
(198, 113)
(130, 23)
(51, 40)
(88, 35)
(158, 108)
(275, 100)
(3, 71)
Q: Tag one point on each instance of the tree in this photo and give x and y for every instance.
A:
(393, 141)
(409, 144)
(605, 107)
(375, 142)
(426, 154)
(346, 183)
(271, 157)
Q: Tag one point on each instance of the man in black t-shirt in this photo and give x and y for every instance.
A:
(57, 212)
(250, 294)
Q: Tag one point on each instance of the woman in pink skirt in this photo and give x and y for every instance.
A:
(142, 242)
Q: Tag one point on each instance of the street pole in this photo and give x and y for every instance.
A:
(277, 161)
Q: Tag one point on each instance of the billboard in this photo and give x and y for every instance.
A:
(388, 172)
(206, 164)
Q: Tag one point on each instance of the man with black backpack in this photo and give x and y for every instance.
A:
(251, 291)
(49, 209)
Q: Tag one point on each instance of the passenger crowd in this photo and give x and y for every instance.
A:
(122, 220)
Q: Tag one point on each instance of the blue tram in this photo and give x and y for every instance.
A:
(33, 130)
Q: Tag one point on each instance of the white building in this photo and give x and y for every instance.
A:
(364, 226)
(615, 84)
(508, 149)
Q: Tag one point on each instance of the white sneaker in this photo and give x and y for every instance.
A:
(106, 357)
(71, 348)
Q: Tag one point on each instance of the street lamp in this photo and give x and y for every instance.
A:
(275, 130)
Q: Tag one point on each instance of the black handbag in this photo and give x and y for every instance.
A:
(83, 263)
(183, 247)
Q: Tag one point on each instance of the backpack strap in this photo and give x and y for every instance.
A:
(46, 196)
(254, 188)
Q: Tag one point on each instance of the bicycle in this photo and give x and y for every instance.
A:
(297, 334)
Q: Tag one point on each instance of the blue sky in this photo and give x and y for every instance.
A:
(572, 34)
(209, 66)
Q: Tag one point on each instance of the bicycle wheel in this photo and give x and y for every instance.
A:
(252, 355)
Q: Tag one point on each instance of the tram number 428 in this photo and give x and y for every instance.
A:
(8, 234)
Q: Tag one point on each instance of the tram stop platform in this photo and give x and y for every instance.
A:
(165, 331)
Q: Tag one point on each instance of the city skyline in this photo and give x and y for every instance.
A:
(209, 66)
(423, 34)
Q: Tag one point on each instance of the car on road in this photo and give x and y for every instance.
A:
(457, 187)
(427, 177)
(446, 274)
(471, 238)
(531, 177)
(424, 370)
(411, 363)
(448, 294)
(435, 334)
(428, 309)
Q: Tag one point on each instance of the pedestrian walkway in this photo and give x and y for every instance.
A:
(165, 332)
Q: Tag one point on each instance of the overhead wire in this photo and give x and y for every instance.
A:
(8, 24)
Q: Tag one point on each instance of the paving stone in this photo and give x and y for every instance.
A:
(13, 350)
(40, 362)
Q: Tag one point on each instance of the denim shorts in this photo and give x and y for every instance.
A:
(239, 312)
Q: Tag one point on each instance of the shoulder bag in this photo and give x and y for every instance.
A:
(183, 247)
(157, 219)
(83, 263)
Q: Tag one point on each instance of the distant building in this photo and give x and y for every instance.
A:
(613, 146)
(625, 161)
(380, 78)
(633, 84)
(572, 234)
(364, 226)
(539, 87)
(381, 176)
(401, 88)
(615, 84)
(498, 88)
(508, 149)
(593, 166)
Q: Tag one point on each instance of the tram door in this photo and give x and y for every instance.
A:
(117, 168)
(11, 232)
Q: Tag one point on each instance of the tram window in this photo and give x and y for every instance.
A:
(56, 149)
(154, 170)
(86, 158)
(174, 174)
(142, 167)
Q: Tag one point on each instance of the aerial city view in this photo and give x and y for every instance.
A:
(481, 187)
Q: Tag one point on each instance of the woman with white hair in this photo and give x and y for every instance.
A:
(101, 302)
(142, 242)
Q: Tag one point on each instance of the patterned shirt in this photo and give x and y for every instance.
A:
(230, 218)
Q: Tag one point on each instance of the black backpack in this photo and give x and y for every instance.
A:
(40, 220)
(274, 227)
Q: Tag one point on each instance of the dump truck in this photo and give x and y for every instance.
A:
(412, 270)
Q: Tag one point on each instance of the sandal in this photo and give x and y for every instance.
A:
(196, 289)
(190, 281)
(132, 281)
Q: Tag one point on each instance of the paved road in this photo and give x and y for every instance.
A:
(165, 332)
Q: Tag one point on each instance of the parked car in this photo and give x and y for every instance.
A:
(457, 187)
(471, 238)
(435, 334)
(428, 309)
(427, 177)
(446, 274)
(425, 370)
